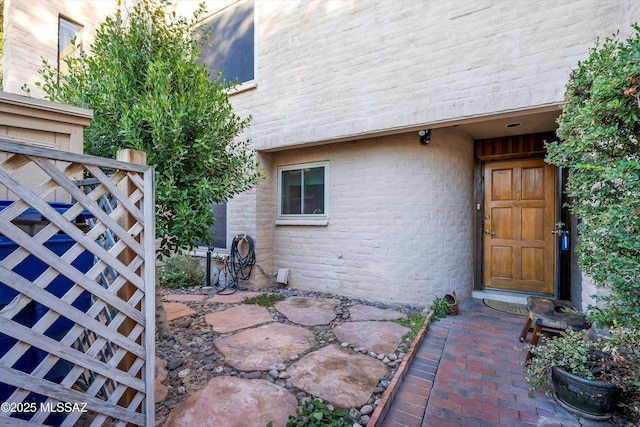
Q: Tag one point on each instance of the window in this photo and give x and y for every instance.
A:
(219, 227)
(218, 230)
(303, 190)
(69, 35)
(229, 42)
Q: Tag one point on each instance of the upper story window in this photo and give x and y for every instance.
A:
(229, 46)
(303, 190)
(69, 36)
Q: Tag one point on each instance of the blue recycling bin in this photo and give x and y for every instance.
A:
(30, 268)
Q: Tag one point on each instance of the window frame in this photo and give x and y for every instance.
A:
(301, 167)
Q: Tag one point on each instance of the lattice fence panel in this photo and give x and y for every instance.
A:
(76, 325)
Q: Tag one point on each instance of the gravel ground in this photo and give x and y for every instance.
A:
(192, 358)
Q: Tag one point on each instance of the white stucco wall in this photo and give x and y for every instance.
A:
(400, 220)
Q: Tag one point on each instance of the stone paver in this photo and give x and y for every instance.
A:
(379, 337)
(160, 390)
(176, 310)
(184, 298)
(265, 346)
(235, 402)
(232, 298)
(308, 311)
(338, 375)
(238, 317)
(366, 312)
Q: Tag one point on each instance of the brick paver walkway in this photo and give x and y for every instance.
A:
(467, 372)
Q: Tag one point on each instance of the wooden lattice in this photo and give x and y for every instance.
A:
(76, 325)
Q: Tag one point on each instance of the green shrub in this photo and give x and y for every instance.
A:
(181, 271)
(440, 308)
(599, 132)
(599, 146)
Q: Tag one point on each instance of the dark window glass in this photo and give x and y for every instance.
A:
(229, 46)
(302, 191)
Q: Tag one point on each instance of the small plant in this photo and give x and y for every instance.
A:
(440, 308)
(316, 413)
(414, 323)
(181, 271)
(569, 351)
(264, 300)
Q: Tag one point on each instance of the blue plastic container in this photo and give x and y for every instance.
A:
(31, 268)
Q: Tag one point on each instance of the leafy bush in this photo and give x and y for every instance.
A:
(148, 91)
(570, 351)
(181, 271)
(440, 308)
(599, 131)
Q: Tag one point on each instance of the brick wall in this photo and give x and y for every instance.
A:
(31, 33)
(335, 69)
(400, 219)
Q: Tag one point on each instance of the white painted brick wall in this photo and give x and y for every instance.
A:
(401, 214)
(334, 69)
(400, 218)
(31, 33)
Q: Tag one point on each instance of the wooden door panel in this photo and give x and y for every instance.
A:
(533, 265)
(502, 262)
(532, 224)
(532, 183)
(519, 249)
(503, 223)
(502, 188)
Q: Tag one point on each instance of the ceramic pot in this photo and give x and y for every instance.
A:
(587, 398)
(451, 298)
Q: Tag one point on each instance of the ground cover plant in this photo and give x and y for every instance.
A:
(265, 300)
(414, 323)
(181, 271)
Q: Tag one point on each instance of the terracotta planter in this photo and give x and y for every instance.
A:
(587, 398)
(451, 298)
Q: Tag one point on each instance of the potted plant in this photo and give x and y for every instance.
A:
(587, 375)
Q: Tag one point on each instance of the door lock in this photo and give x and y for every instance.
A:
(487, 231)
(559, 228)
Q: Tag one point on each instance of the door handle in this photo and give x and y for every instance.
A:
(489, 232)
(559, 228)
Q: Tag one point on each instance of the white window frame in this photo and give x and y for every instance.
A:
(305, 219)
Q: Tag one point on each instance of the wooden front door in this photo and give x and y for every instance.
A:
(519, 251)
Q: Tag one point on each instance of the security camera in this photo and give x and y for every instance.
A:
(425, 136)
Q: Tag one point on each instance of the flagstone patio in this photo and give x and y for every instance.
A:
(252, 341)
